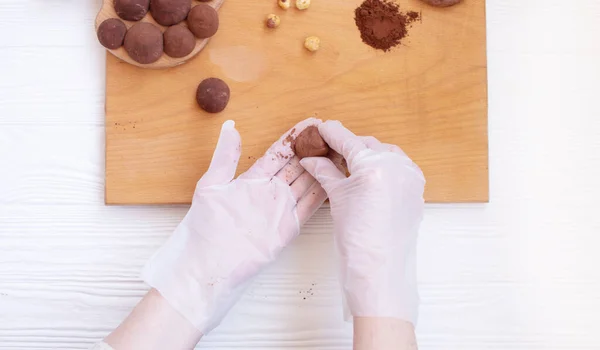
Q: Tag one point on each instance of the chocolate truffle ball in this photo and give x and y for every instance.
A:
(310, 144)
(132, 10)
(169, 12)
(203, 21)
(442, 3)
(111, 33)
(213, 95)
(179, 41)
(144, 43)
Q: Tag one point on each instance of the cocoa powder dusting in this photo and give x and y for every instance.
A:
(381, 23)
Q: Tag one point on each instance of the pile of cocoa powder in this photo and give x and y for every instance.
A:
(381, 23)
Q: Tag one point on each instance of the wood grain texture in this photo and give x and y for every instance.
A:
(429, 96)
(518, 273)
(108, 11)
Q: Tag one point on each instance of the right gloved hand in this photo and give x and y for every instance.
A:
(376, 212)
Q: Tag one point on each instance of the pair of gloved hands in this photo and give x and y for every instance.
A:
(235, 227)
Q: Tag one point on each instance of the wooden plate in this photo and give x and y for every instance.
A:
(108, 11)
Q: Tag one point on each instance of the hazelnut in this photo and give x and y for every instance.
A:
(312, 43)
(284, 4)
(302, 4)
(273, 21)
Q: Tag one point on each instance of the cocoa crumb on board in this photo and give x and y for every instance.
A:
(290, 138)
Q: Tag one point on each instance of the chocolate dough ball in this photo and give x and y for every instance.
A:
(442, 3)
(179, 41)
(203, 21)
(310, 144)
(132, 10)
(111, 33)
(144, 43)
(170, 12)
(213, 95)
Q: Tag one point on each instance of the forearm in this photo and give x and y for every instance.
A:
(379, 333)
(154, 325)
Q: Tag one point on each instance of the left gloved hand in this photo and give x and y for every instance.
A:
(234, 228)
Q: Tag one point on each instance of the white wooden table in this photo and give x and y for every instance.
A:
(522, 272)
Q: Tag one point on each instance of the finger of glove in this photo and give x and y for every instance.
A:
(301, 185)
(291, 171)
(395, 149)
(373, 143)
(341, 140)
(279, 154)
(323, 170)
(225, 157)
(310, 202)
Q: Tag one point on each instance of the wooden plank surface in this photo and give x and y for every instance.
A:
(519, 273)
(429, 96)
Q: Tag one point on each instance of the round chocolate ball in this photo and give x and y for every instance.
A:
(132, 10)
(111, 33)
(310, 144)
(179, 41)
(169, 12)
(203, 21)
(213, 95)
(144, 43)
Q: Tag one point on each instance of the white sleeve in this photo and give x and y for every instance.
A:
(101, 346)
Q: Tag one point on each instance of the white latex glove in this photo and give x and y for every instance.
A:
(376, 212)
(234, 228)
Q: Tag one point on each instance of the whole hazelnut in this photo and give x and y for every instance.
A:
(312, 43)
(302, 4)
(273, 21)
(284, 4)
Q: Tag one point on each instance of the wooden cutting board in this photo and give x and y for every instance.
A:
(429, 96)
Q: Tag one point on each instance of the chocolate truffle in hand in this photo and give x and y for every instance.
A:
(132, 10)
(442, 3)
(310, 144)
(213, 95)
(203, 21)
(144, 43)
(170, 12)
(179, 41)
(111, 33)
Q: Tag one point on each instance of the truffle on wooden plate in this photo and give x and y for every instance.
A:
(179, 41)
(203, 21)
(132, 10)
(213, 95)
(169, 12)
(144, 43)
(111, 33)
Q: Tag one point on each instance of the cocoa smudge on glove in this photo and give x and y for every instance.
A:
(381, 23)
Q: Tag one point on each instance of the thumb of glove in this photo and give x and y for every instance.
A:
(324, 171)
(225, 158)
